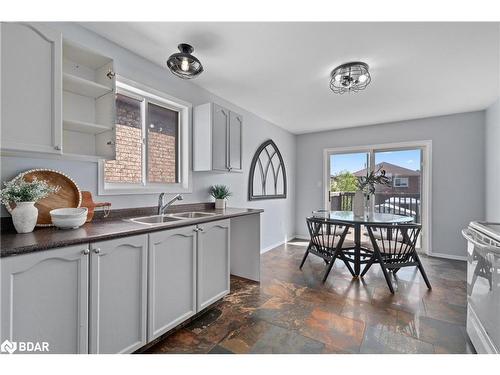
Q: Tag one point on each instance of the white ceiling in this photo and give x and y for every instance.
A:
(280, 71)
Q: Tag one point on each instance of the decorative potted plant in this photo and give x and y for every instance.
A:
(25, 194)
(366, 188)
(220, 193)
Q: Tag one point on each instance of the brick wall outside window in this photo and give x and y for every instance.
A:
(127, 167)
(161, 158)
(161, 151)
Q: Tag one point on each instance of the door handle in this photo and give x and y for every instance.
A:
(86, 252)
(97, 251)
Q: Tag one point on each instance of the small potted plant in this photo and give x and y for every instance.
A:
(25, 194)
(220, 193)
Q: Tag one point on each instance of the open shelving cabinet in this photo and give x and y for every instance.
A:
(89, 88)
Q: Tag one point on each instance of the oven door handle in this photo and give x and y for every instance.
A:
(468, 237)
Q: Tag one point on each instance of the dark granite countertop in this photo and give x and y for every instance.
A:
(114, 226)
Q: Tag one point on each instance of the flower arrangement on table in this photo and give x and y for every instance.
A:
(367, 186)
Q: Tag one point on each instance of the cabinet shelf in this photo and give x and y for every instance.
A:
(85, 87)
(84, 127)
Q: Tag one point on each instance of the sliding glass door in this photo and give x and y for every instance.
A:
(403, 165)
(343, 178)
(404, 194)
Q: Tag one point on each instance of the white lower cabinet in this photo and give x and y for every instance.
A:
(172, 279)
(114, 296)
(213, 262)
(45, 299)
(118, 295)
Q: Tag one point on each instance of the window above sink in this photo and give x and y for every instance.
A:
(152, 143)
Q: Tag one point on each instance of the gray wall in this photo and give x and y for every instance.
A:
(278, 220)
(493, 162)
(458, 173)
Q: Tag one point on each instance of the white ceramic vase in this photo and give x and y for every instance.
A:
(220, 204)
(358, 204)
(24, 217)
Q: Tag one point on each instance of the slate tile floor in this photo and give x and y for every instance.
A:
(291, 311)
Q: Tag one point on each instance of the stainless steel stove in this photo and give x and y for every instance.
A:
(483, 285)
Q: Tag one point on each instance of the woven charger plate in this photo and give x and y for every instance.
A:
(68, 196)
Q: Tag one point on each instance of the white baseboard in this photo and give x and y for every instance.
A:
(448, 256)
(300, 237)
(285, 240)
(267, 248)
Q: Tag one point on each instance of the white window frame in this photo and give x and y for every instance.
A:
(400, 179)
(137, 90)
(425, 145)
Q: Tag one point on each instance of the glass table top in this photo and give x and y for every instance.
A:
(374, 217)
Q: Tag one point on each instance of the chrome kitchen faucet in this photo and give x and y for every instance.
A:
(162, 207)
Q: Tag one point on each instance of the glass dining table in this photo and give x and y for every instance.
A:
(358, 254)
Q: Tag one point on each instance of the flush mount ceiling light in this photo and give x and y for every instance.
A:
(349, 77)
(183, 64)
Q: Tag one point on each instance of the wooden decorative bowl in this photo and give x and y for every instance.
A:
(68, 196)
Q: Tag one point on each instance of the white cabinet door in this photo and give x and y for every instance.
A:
(172, 279)
(118, 295)
(45, 298)
(235, 137)
(220, 154)
(31, 90)
(213, 262)
(217, 139)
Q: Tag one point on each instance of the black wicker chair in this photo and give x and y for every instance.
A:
(326, 242)
(394, 248)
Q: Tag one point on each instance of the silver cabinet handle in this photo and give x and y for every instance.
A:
(110, 74)
(200, 229)
(195, 230)
(86, 252)
(97, 251)
(57, 147)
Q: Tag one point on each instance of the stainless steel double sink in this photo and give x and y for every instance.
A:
(164, 219)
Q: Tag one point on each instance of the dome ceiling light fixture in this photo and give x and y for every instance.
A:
(183, 64)
(350, 77)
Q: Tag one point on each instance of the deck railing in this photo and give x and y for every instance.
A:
(385, 202)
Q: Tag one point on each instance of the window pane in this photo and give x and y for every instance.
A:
(162, 144)
(127, 167)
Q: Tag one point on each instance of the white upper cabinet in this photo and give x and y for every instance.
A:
(56, 96)
(31, 88)
(89, 87)
(217, 139)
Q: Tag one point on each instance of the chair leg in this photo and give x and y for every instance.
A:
(386, 273)
(304, 259)
(330, 265)
(346, 261)
(422, 271)
(368, 265)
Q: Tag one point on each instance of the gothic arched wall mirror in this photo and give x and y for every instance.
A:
(267, 178)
